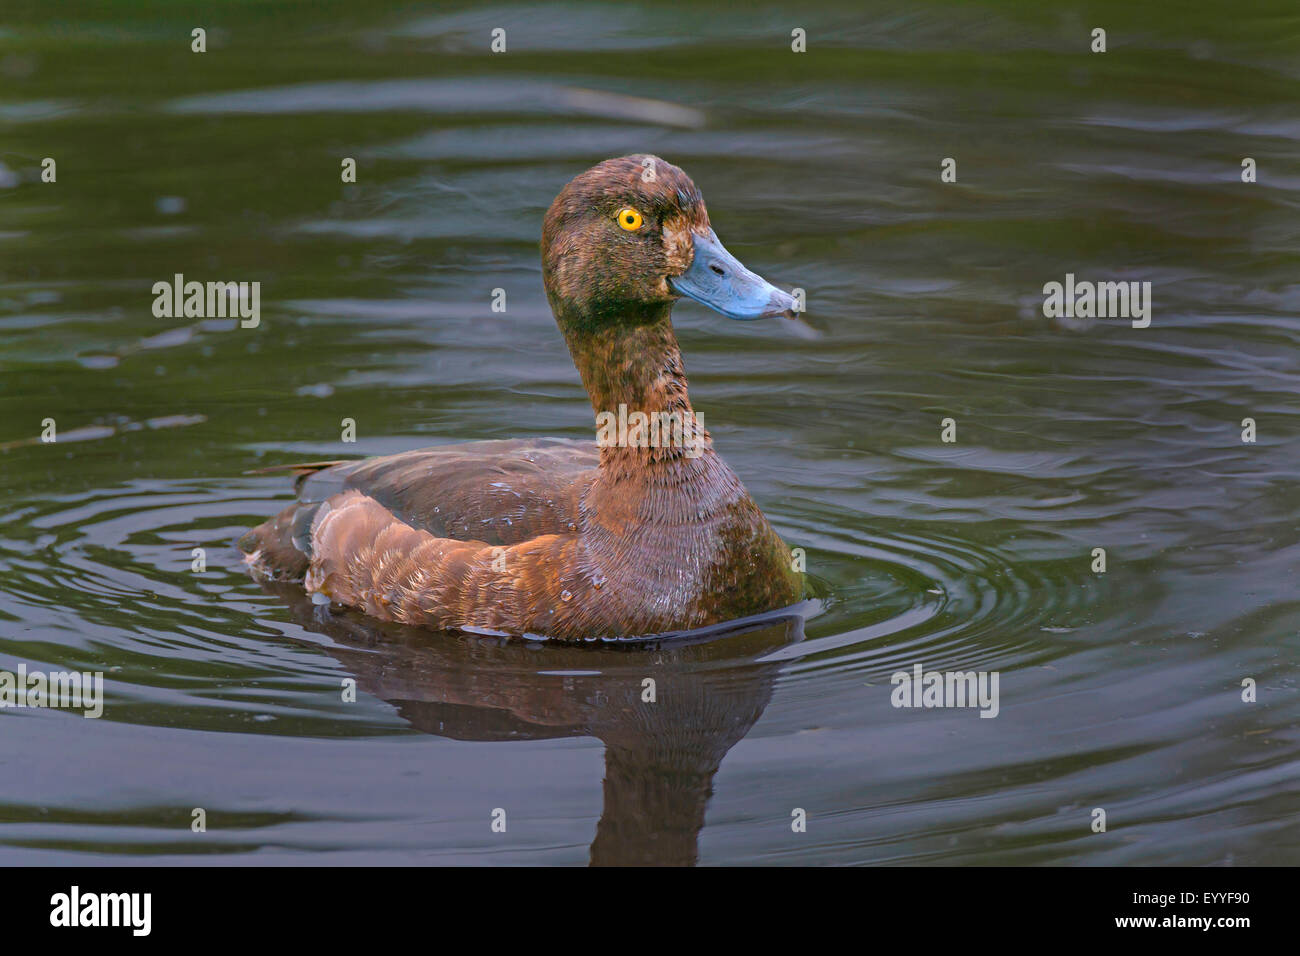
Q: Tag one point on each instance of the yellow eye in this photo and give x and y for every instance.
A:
(629, 219)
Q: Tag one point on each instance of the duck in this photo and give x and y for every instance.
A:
(642, 533)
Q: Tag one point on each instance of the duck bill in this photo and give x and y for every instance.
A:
(717, 279)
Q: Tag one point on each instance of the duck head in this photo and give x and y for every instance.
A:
(630, 236)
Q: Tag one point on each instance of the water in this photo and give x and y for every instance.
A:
(1118, 690)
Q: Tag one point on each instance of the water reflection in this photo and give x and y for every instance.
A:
(660, 755)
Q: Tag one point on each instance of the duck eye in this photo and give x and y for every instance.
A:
(629, 219)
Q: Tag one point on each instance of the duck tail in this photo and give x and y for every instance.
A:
(301, 470)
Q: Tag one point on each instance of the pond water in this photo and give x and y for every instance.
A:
(1120, 689)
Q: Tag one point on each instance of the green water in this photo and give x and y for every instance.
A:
(1119, 690)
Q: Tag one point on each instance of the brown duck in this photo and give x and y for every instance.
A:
(645, 532)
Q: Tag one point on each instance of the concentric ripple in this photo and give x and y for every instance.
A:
(919, 595)
(118, 567)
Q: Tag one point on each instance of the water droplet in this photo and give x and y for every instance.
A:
(573, 526)
(598, 581)
(566, 595)
(169, 205)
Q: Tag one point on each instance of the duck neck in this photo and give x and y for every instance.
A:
(633, 373)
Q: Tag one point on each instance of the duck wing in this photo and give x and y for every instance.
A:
(476, 536)
(499, 492)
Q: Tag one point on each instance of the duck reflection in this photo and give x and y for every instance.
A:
(667, 713)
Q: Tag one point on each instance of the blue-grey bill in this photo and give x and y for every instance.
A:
(717, 279)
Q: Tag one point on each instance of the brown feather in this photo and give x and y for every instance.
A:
(545, 536)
